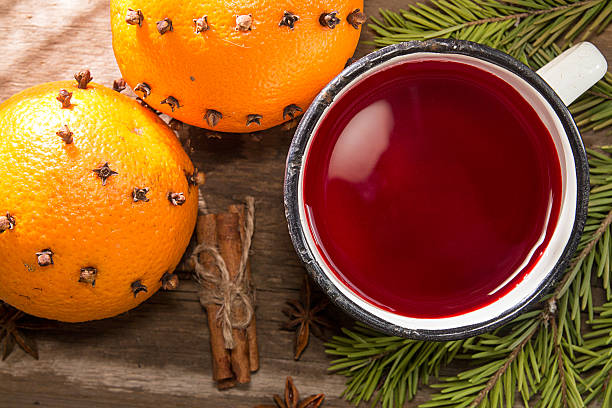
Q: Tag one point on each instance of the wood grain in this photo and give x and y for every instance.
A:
(159, 353)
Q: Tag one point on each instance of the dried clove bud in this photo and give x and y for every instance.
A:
(134, 17)
(104, 172)
(176, 198)
(88, 275)
(140, 194)
(144, 88)
(291, 111)
(254, 118)
(119, 85)
(289, 19)
(170, 281)
(356, 18)
(244, 23)
(329, 20)
(65, 134)
(64, 97)
(213, 117)
(196, 178)
(138, 287)
(165, 25)
(7, 222)
(83, 78)
(45, 257)
(171, 100)
(201, 24)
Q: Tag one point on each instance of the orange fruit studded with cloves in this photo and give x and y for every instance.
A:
(237, 66)
(98, 201)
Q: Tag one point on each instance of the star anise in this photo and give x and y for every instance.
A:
(291, 399)
(304, 316)
(12, 322)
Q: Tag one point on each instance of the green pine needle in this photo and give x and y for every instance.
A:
(509, 26)
(541, 356)
(386, 369)
(544, 357)
(533, 31)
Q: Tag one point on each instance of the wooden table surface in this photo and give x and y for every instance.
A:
(158, 354)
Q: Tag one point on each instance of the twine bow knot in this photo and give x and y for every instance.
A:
(232, 295)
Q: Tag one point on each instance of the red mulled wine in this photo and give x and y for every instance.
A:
(431, 188)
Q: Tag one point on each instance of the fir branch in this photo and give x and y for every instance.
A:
(535, 353)
(560, 364)
(507, 25)
(502, 370)
(589, 241)
(386, 369)
(596, 357)
(505, 362)
(533, 31)
(594, 109)
(540, 353)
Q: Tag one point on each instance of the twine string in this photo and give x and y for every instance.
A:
(231, 295)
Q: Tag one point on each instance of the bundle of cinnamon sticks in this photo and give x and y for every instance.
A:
(226, 232)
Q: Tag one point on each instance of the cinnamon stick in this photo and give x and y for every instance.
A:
(222, 372)
(230, 248)
(226, 384)
(252, 328)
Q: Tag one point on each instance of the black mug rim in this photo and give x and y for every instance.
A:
(325, 98)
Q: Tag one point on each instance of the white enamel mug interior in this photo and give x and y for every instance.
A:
(569, 75)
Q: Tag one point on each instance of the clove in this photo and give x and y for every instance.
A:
(138, 287)
(356, 18)
(289, 19)
(65, 134)
(244, 22)
(140, 194)
(45, 257)
(176, 198)
(144, 88)
(165, 25)
(196, 178)
(88, 275)
(119, 85)
(329, 20)
(134, 17)
(104, 172)
(254, 118)
(291, 111)
(83, 78)
(172, 102)
(169, 281)
(64, 97)
(213, 117)
(201, 24)
(7, 222)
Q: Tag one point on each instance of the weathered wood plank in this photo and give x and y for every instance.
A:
(158, 354)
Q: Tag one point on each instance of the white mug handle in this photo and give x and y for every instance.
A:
(574, 71)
